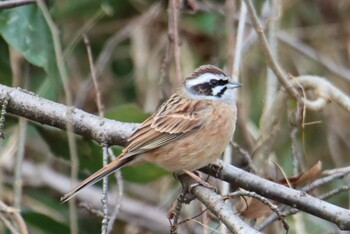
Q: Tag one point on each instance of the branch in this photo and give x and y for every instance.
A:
(152, 218)
(15, 3)
(35, 108)
(280, 193)
(313, 54)
(22, 227)
(217, 206)
(271, 61)
(28, 105)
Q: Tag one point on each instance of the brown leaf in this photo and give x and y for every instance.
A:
(303, 178)
(309, 176)
(252, 208)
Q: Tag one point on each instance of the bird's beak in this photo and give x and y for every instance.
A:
(233, 84)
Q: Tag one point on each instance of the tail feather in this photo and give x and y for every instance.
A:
(97, 176)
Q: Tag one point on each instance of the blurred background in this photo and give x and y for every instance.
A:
(132, 47)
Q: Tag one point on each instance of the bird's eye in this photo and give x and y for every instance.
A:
(213, 82)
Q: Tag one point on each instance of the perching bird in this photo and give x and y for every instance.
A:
(189, 131)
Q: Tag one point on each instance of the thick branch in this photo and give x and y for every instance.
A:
(30, 106)
(43, 111)
(280, 193)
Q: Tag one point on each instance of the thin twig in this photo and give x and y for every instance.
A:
(99, 104)
(217, 206)
(265, 201)
(104, 199)
(272, 82)
(230, 7)
(16, 216)
(291, 211)
(313, 54)
(120, 183)
(230, 34)
(239, 42)
(104, 10)
(173, 13)
(174, 212)
(296, 123)
(107, 51)
(272, 62)
(118, 202)
(69, 118)
(22, 130)
(8, 224)
(19, 78)
(291, 197)
(151, 218)
(15, 3)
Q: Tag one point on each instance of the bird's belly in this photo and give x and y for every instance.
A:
(197, 149)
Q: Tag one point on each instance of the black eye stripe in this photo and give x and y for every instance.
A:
(206, 89)
(203, 89)
(214, 82)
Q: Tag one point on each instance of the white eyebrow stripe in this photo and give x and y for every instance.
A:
(204, 78)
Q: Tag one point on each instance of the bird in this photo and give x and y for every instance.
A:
(189, 130)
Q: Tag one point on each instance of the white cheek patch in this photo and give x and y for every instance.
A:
(217, 90)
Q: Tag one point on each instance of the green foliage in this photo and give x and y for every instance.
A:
(5, 69)
(126, 113)
(143, 173)
(25, 29)
(44, 223)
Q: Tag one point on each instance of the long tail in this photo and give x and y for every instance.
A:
(97, 176)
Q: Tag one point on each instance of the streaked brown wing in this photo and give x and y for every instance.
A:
(175, 119)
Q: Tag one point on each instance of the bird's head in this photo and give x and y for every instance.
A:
(210, 83)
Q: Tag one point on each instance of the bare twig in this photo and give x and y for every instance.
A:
(173, 13)
(15, 3)
(91, 210)
(217, 206)
(308, 51)
(272, 82)
(16, 216)
(8, 224)
(291, 197)
(100, 107)
(152, 218)
(230, 34)
(19, 77)
(22, 130)
(325, 92)
(291, 211)
(107, 51)
(174, 212)
(239, 42)
(104, 200)
(265, 201)
(296, 123)
(119, 179)
(272, 62)
(68, 96)
(104, 10)
(230, 8)
(334, 192)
